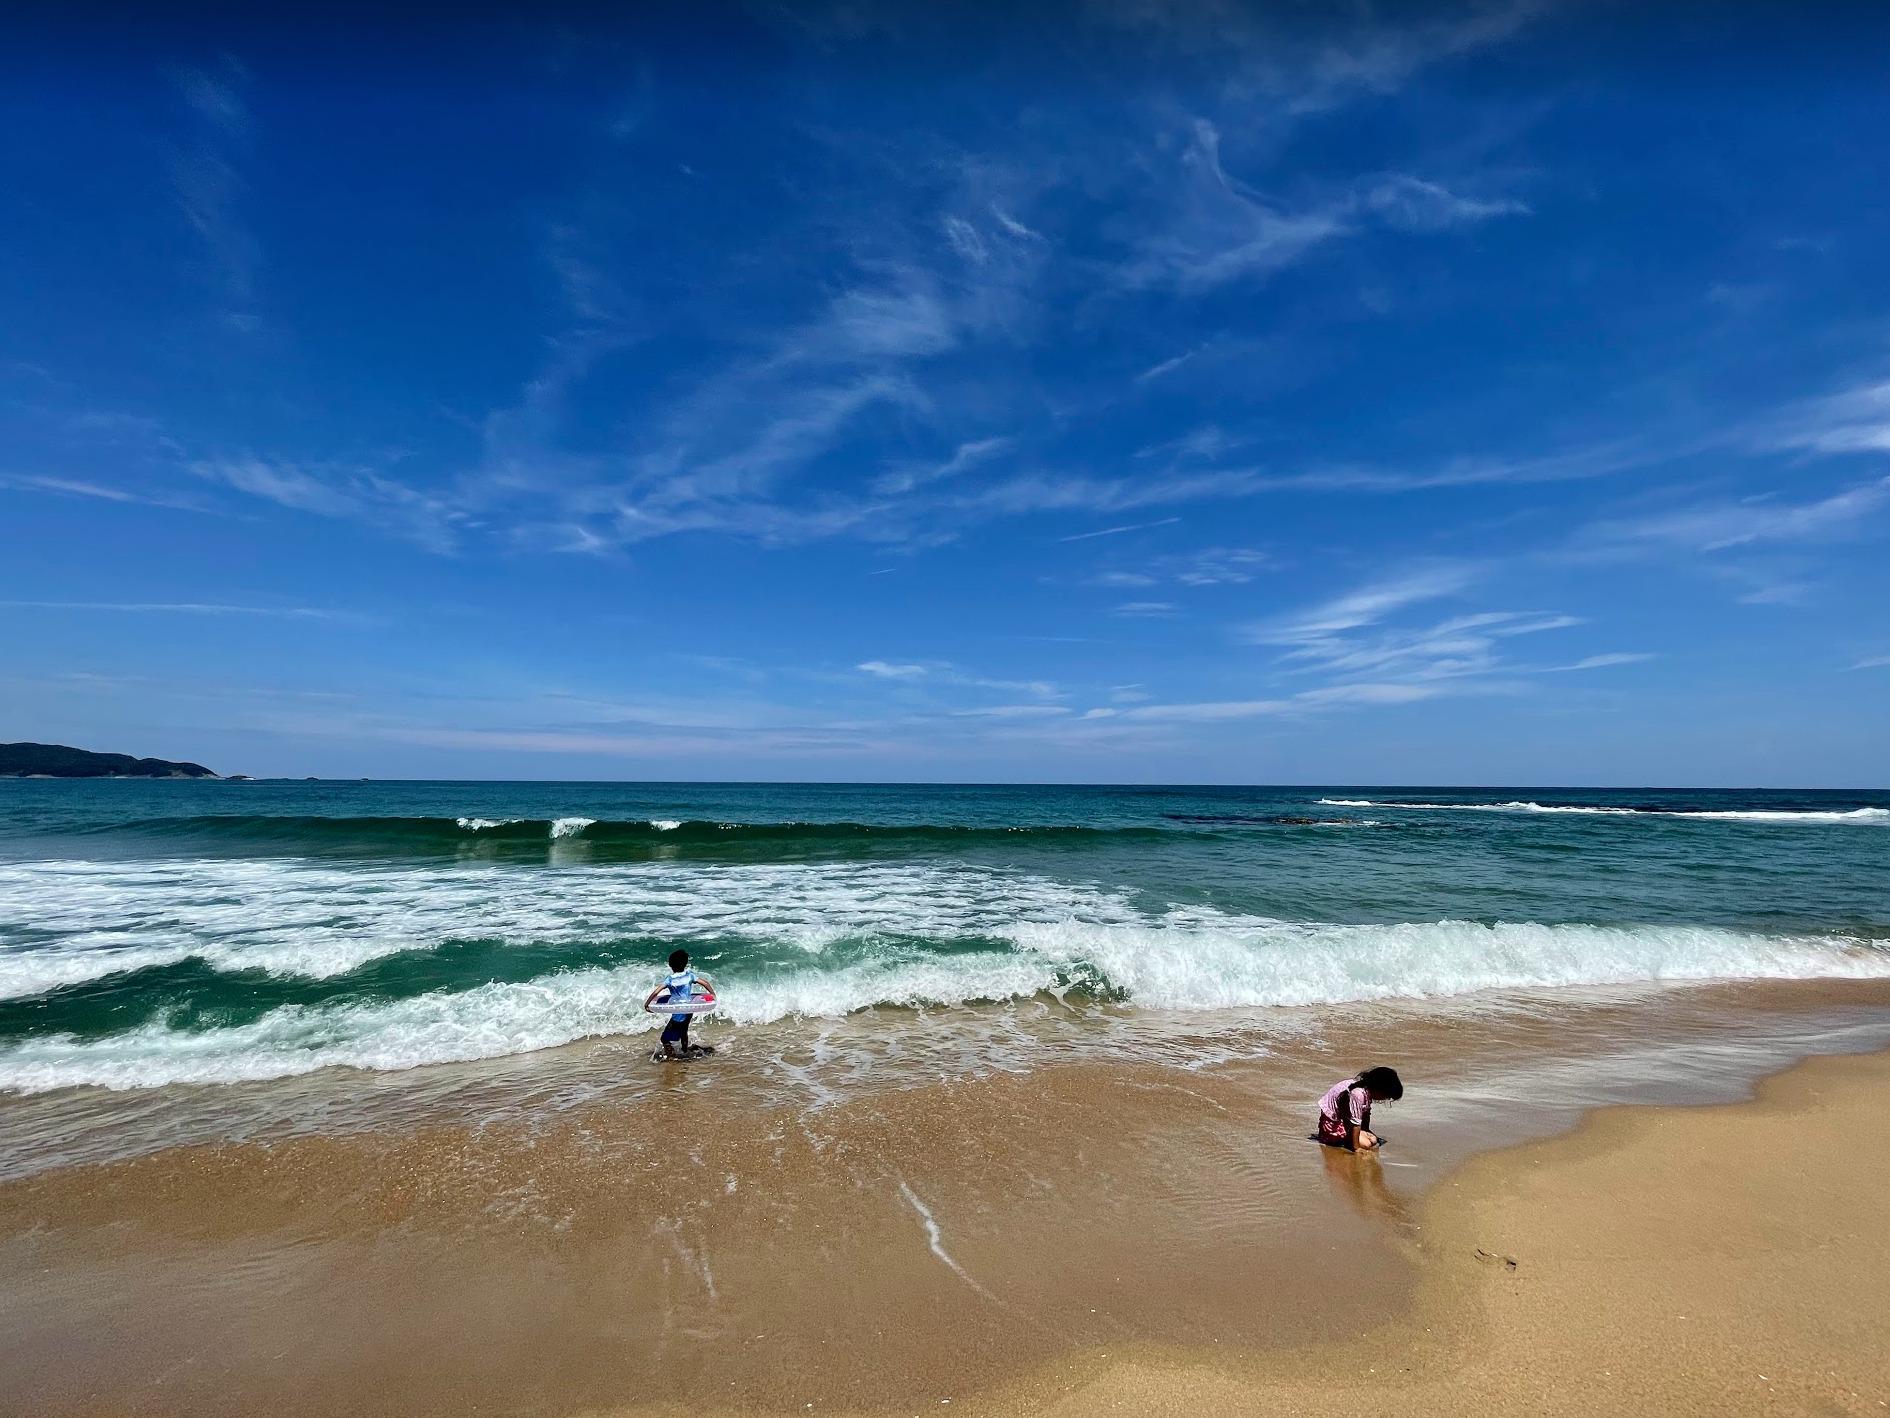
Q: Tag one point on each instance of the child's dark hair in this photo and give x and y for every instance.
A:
(679, 958)
(1379, 1082)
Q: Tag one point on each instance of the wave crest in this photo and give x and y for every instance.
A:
(447, 833)
(1862, 815)
(956, 938)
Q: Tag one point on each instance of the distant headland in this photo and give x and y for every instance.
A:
(55, 760)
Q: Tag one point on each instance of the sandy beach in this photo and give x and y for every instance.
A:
(1069, 1241)
(1710, 1260)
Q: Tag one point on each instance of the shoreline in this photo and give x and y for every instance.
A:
(1082, 1235)
(1613, 1268)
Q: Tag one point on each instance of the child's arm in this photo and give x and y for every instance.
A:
(660, 989)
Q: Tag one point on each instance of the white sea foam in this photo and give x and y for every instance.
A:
(1235, 961)
(65, 922)
(561, 827)
(1005, 936)
(1483, 807)
(1862, 814)
(1855, 815)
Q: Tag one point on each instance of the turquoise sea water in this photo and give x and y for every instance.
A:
(164, 932)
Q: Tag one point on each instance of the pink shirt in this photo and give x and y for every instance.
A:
(1332, 1107)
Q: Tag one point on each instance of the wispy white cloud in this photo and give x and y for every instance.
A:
(959, 259)
(186, 608)
(432, 519)
(1051, 492)
(866, 323)
(1456, 648)
(1215, 566)
(1777, 593)
(216, 97)
(942, 672)
(1147, 610)
(1718, 526)
(282, 484)
(1303, 702)
(1010, 224)
(705, 492)
(1854, 420)
(1378, 57)
(70, 486)
(1602, 662)
(81, 487)
(1118, 531)
(1220, 229)
(965, 457)
(1368, 694)
(1011, 711)
(656, 744)
(1363, 606)
(1872, 662)
(1166, 366)
(1595, 461)
(1289, 70)
(595, 299)
(726, 453)
(1203, 444)
(1347, 642)
(1417, 205)
(1208, 712)
(208, 186)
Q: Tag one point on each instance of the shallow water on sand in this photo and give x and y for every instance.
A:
(545, 1238)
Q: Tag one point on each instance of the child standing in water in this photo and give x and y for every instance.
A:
(679, 986)
(1345, 1113)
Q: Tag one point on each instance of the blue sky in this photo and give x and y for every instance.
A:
(1491, 393)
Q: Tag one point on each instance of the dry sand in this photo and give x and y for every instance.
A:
(1720, 1260)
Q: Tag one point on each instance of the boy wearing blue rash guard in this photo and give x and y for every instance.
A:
(680, 985)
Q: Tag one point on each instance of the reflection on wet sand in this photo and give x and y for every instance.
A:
(755, 1240)
(1358, 1179)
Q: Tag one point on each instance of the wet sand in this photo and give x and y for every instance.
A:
(1718, 1260)
(950, 1235)
(1061, 1240)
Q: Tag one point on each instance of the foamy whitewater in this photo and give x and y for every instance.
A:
(1860, 816)
(164, 933)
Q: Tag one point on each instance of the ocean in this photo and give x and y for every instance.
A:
(157, 933)
(298, 1078)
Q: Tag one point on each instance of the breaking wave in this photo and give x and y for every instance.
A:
(419, 835)
(134, 975)
(1853, 815)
